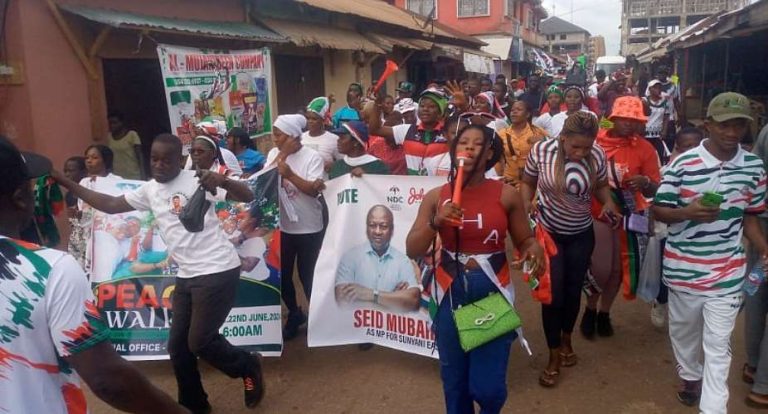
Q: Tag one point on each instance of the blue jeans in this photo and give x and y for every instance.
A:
(481, 374)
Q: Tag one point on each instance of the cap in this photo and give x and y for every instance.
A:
(405, 87)
(729, 105)
(17, 167)
(653, 83)
(405, 105)
(356, 129)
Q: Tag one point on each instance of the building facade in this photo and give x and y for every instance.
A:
(646, 21)
(509, 27)
(564, 38)
(596, 48)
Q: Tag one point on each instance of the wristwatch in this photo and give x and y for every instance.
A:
(376, 296)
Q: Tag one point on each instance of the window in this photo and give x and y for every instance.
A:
(511, 8)
(471, 8)
(563, 37)
(531, 19)
(422, 7)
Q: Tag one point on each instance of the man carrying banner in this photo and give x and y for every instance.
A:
(209, 269)
(377, 272)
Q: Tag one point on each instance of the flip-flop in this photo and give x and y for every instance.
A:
(757, 400)
(548, 379)
(568, 360)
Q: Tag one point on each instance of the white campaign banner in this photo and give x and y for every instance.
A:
(366, 290)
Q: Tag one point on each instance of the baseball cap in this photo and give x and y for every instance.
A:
(356, 129)
(17, 166)
(405, 87)
(729, 105)
(653, 83)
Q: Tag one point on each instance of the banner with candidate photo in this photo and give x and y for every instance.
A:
(229, 85)
(132, 273)
(365, 289)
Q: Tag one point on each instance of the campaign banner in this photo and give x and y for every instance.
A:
(366, 290)
(229, 85)
(133, 274)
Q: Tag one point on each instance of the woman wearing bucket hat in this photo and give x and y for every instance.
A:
(423, 142)
(633, 174)
(353, 141)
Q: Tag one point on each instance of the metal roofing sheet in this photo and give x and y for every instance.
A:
(389, 42)
(123, 19)
(306, 34)
(379, 11)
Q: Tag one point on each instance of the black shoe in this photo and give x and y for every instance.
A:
(253, 384)
(604, 327)
(365, 346)
(690, 392)
(293, 323)
(588, 323)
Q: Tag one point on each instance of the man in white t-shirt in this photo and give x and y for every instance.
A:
(209, 269)
(301, 212)
(51, 331)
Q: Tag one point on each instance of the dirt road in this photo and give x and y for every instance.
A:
(630, 373)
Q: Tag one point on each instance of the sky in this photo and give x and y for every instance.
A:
(599, 17)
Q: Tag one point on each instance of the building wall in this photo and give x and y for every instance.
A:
(581, 40)
(499, 21)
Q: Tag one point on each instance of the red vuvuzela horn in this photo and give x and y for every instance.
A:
(458, 183)
(388, 71)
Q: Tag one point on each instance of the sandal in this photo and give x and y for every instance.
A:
(568, 360)
(756, 400)
(748, 374)
(548, 378)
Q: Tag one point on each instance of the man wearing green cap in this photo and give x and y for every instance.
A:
(404, 90)
(710, 196)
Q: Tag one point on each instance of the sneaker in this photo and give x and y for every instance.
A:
(658, 314)
(690, 392)
(588, 323)
(253, 384)
(293, 323)
(604, 327)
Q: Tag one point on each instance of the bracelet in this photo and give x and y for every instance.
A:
(433, 225)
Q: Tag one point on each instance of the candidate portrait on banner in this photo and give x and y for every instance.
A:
(377, 272)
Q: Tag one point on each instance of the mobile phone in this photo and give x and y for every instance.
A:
(711, 199)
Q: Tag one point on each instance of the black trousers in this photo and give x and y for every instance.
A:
(300, 250)
(567, 270)
(200, 306)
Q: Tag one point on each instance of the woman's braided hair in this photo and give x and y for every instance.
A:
(580, 123)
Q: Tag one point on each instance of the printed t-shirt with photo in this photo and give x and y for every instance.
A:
(197, 254)
(300, 213)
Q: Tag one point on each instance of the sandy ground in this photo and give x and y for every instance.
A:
(630, 373)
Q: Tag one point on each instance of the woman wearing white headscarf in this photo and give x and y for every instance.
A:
(204, 154)
(301, 171)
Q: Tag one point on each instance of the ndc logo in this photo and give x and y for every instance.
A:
(395, 198)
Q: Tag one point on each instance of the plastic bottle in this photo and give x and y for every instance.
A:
(754, 279)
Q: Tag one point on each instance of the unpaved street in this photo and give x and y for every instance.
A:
(631, 373)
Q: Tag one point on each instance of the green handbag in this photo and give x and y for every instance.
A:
(485, 320)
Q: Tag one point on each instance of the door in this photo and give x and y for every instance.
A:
(299, 80)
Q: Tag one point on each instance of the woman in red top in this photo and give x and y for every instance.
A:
(472, 266)
(633, 173)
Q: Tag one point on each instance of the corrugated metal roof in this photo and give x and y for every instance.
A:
(122, 19)
(380, 11)
(389, 42)
(306, 34)
(556, 25)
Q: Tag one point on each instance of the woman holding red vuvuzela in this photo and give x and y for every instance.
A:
(472, 281)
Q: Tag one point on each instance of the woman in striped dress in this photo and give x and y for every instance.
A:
(566, 173)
